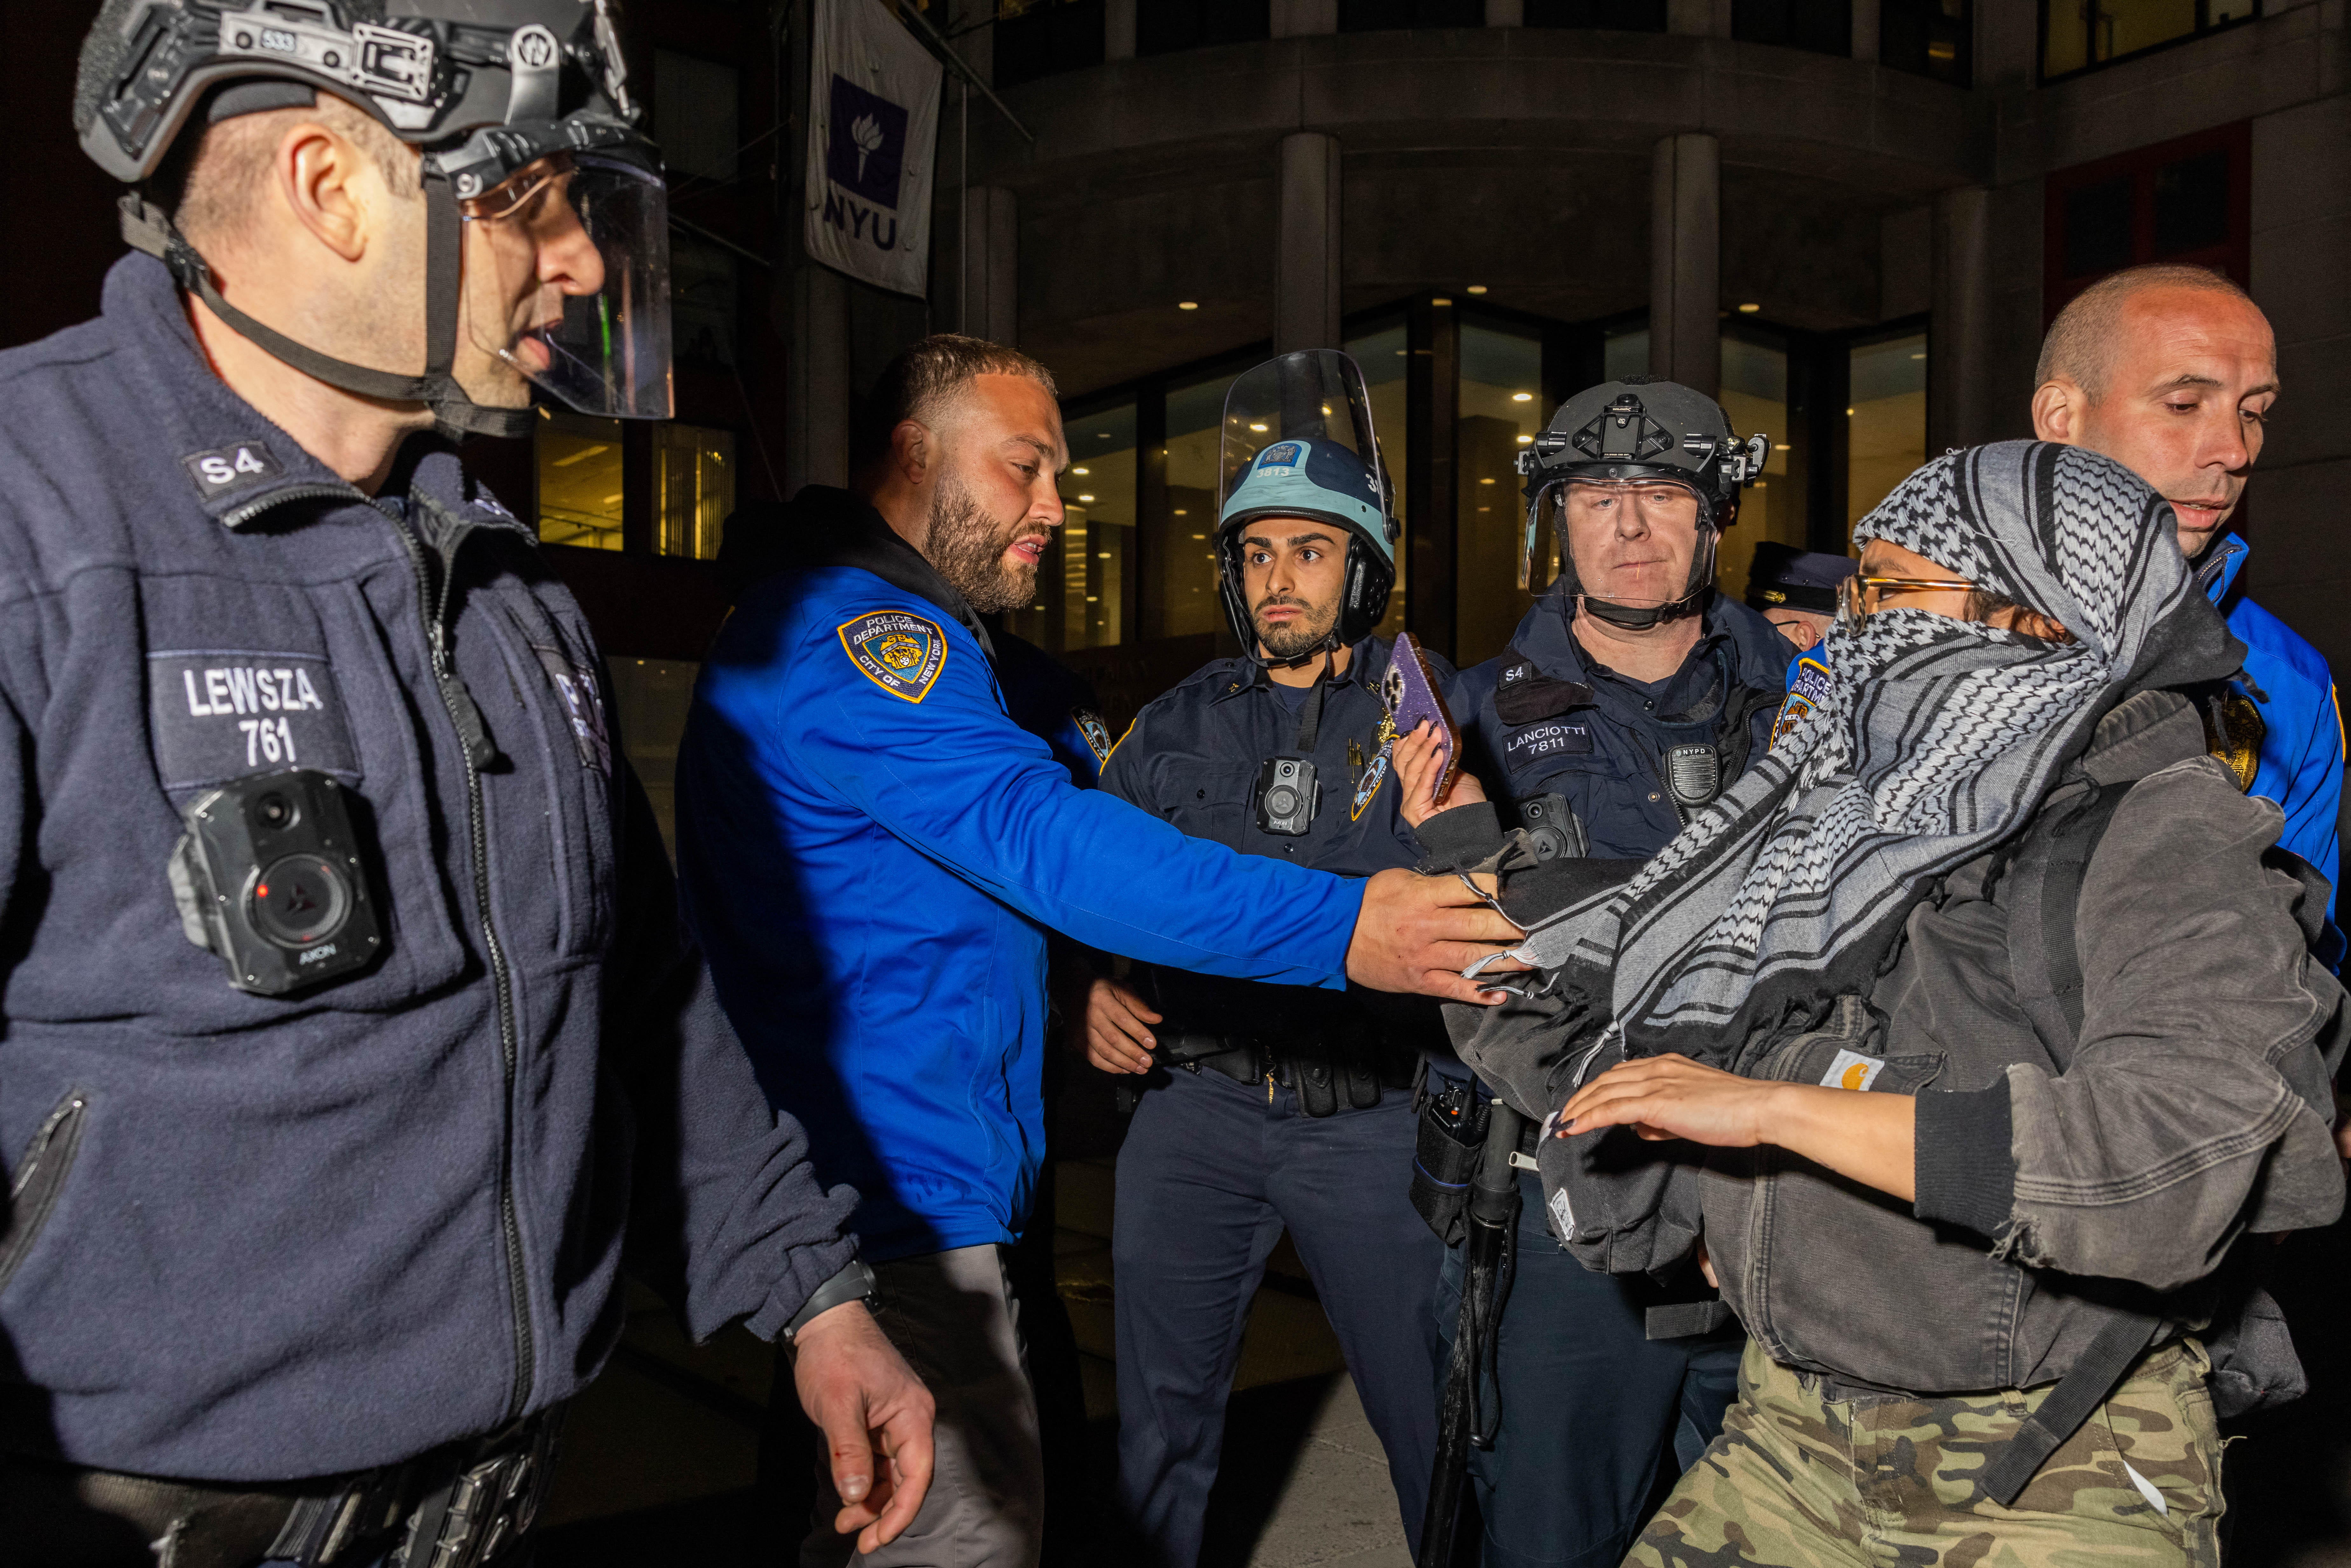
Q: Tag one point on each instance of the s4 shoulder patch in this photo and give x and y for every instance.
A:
(900, 653)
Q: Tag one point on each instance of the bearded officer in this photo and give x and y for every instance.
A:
(1271, 1107)
(874, 852)
(1629, 695)
(351, 1038)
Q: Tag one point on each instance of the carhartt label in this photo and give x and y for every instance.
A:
(1850, 1070)
(218, 715)
(227, 468)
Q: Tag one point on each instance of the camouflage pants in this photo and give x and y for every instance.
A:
(1797, 1481)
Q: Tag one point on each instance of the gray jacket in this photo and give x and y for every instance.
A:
(2051, 1194)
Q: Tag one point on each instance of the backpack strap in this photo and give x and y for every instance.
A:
(2094, 1375)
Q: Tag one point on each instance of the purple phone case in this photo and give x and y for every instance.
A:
(1409, 690)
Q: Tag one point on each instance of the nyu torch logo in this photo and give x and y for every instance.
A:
(865, 154)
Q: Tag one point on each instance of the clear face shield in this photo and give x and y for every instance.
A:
(567, 282)
(1644, 545)
(1314, 394)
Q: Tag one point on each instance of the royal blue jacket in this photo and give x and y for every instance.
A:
(2302, 724)
(260, 1238)
(873, 850)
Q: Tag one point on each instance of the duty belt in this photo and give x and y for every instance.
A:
(1322, 1068)
(463, 1505)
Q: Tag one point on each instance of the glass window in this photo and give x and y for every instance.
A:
(1500, 412)
(2078, 34)
(1163, 27)
(650, 698)
(702, 301)
(1887, 422)
(1037, 37)
(1383, 357)
(579, 481)
(1623, 15)
(1932, 38)
(1755, 396)
(696, 112)
(1085, 582)
(1379, 15)
(1824, 27)
(694, 488)
(1184, 558)
(1624, 352)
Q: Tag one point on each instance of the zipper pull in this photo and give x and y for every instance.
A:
(480, 749)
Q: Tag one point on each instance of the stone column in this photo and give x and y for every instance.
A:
(990, 286)
(1302, 18)
(1306, 246)
(1118, 29)
(1865, 29)
(1686, 260)
(1958, 345)
(815, 381)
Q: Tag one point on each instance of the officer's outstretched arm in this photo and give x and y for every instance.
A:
(933, 758)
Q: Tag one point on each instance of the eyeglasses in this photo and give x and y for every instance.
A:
(1857, 599)
(517, 195)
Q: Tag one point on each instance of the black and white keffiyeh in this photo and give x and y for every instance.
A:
(1936, 739)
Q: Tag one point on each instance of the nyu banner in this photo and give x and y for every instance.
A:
(873, 115)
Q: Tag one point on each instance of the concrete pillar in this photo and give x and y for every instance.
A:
(1505, 13)
(1302, 18)
(1686, 261)
(989, 285)
(1698, 18)
(1118, 29)
(1306, 246)
(1959, 383)
(1865, 29)
(816, 381)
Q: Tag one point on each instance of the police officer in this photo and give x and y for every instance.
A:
(1629, 695)
(874, 852)
(351, 1038)
(1271, 1107)
(1796, 589)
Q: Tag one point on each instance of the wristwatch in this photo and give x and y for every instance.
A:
(854, 1282)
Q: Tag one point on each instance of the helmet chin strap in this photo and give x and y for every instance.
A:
(1328, 645)
(150, 229)
(1641, 620)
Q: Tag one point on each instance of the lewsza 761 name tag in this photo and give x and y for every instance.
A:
(220, 716)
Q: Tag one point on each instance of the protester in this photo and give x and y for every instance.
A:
(1987, 1078)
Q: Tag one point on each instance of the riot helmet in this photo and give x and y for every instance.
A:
(523, 112)
(1653, 453)
(1298, 443)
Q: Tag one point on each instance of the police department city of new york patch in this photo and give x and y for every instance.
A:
(901, 654)
(1806, 692)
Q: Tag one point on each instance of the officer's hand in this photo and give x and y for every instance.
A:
(1419, 758)
(1418, 933)
(863, 1397)
(1118, 1033)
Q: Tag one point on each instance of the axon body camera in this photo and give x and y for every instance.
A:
(268, 875)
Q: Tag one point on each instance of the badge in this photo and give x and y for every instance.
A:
(1096, 732)
(1850, 1070)
(1810, 689)
(226, 468)
(1372, 781)
(901, 654)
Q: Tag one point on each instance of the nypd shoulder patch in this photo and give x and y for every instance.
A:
(1096, 733)
(901, 654)
(1805, 693)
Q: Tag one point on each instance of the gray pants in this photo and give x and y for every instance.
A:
(952, 1316)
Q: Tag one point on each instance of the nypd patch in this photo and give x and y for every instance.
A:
(1374, 777)
(1280, 455)
(901, 654)
(1805, 693)
(1096, 732)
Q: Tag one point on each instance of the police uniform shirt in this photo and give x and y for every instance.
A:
(1546, 718)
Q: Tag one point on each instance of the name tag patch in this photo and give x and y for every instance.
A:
(1541, 740)
(901, 654)
(218, 715)
(227, 468)
(583, 707)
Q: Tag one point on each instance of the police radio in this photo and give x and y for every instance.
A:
(268, 876)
